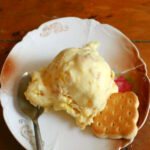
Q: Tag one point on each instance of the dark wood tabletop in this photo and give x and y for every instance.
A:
(17, 17)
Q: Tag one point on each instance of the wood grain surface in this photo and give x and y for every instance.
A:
(17, 17)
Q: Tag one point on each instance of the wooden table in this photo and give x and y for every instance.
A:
(17, 17)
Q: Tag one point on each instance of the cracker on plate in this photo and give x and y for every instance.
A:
(119, 118)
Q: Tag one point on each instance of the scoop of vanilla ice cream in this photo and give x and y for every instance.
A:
(78, 81)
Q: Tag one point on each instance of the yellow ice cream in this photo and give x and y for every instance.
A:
(78, 81)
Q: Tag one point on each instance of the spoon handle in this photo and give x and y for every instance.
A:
(38, 138)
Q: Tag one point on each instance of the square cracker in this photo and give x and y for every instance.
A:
(119, 118)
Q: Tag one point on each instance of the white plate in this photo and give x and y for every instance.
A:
(36, 50)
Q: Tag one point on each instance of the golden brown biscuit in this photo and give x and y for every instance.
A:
(119, 118)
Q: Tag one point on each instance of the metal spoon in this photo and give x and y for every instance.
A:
(28, 109)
